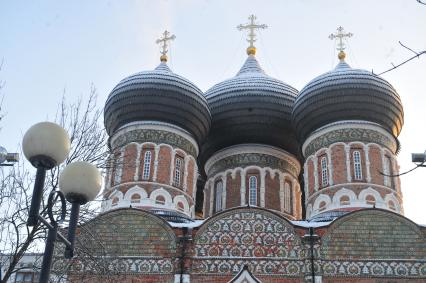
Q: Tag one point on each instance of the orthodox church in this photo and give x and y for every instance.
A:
(252, 181)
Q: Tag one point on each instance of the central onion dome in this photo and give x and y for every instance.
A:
(251, 107)
(158, 95)
(347, 94)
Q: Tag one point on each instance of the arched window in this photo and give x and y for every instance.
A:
(178, 168)
(114, 201)
(135, 198)
(219, 192)
(371, 200)
(357, 165)
(160, 200)
(180, 206)
(253, 190)
(287, 198)
(146, 165)
(324, 172)
(344, 200)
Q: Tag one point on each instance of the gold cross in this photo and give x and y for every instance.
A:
(251, 26)
(163, 41)
(340, 45)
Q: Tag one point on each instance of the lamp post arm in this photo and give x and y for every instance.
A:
(59, 235)
(37, 196)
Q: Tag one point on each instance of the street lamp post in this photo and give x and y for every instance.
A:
(311, 238)
(47, 145)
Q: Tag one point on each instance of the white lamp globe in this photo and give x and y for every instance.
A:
(80, 182)
(46, 145)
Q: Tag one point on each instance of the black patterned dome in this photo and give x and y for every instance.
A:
(347, 94)
(251, 108)
(158, 95)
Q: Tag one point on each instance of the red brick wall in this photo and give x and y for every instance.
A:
(272, 192)
(233, 186)
(163, 170)
(338, 159)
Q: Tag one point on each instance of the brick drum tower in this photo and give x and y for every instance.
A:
(156, 121)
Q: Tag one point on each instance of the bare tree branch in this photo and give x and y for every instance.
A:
(417, 55)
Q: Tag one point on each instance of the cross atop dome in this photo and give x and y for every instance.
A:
(251, 27)
(340, 35)
(167, 36)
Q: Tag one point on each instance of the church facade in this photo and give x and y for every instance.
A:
(252, 181)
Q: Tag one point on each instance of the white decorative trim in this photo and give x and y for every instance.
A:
(154, 125)
(135, 190)
(306, 178)
(348, 162)
(282, 193)
(262, 188)
(156, 152)
(137, 161)
(316, 185)
(172, 166)
(185, 173)
(181, 199)
(211, 198)
(253, 148)
(354, 124)
(243, 188)
(224, 191)
(367, 161)
(330, 167)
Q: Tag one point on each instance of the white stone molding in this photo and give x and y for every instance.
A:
(370, 191)
(156, 152)
(135, 190)
(154, 125)
(167, 197)
(223, 191)
(172, 166)
(137, 160)
(205, 198)
(306, 179)
(309, 211)
(110, 163)
(282, 193)
(367, 162)
(194, 181)
(211, 187)
(348, 163)
(354, 124)
(181, 199)
(243, 187)
(293, 196)
(253, 148)
(321, 198)
(119, 167)
(391, 197)
(262, 188)
(185, 173)
(330, 166)
(316, 185)
(344, 192)
(385, 169)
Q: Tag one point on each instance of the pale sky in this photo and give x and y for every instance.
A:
(49, 46)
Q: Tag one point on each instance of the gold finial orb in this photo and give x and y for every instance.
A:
(163, 58)
(251, 51)
(341, 55)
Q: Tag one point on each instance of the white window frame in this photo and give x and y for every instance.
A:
(357, 165)
(287, 197)
(146, 165)
(178, 167)
(324, 171)
(219, 192)
(253, 190)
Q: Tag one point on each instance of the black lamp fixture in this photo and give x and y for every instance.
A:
(47, 145)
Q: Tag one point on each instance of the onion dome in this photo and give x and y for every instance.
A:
(251, 107)
(347, 94)
(158, 95)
